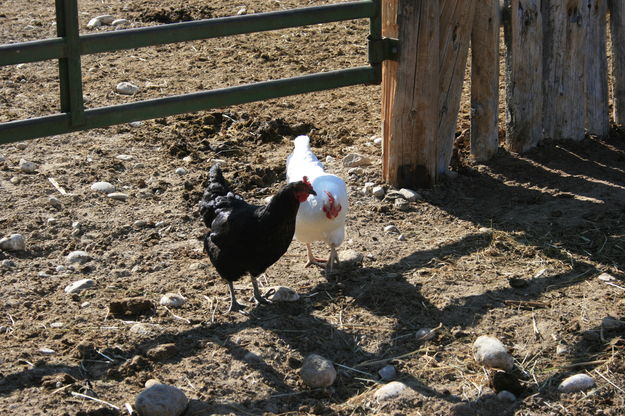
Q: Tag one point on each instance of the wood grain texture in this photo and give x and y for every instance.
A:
(617, 32)
(596, 69)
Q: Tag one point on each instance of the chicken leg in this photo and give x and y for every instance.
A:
(333, 260)
(234, 305)
(312, 260)
(329, 264)
(257, 296)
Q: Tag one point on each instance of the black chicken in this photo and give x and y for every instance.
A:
(246, 238)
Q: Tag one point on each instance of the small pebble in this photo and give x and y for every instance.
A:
(389, 391)
(425, 334)
(55, 202)
(350, 259)
(46, 351)
(152, 382)
(94, 23)
(78, 256)
(181, 171)
(27, 167)
(118, 196)
(401, 237)
(135, 124)
(329, 159)
(410, 195)
(377, 140)
(14, 242)
(368, 188)
(15, 180)
(143, 329)
(60, 268)
(281, 294)
(562, 349)
(317, 371)
(506, 396)
(401, 204)
(161, 400)
(387, 373)
(577, 382)
(7, 264)
(490, 352)
(52, 221)
(378, 192)
(356, 171)
(79, 285)
(57, 325)
(124, 157)
(120, 22)
(391, 229)
(104, 187)
(43, 274)
(21, 145)
(172, 300)
(606, 277)
(126, 88)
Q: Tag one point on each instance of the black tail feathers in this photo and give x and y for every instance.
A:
(217, 186)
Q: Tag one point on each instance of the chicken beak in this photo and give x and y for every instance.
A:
(312, 192)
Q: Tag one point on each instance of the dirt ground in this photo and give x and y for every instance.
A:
(511, 248)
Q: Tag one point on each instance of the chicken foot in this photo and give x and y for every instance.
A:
(327, 264)
(312, 260)
(257, 296)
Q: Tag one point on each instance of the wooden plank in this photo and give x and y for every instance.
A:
(617, 33)
(524, 68)
(485, 80)
(596, 71)
(390, 28)
(456, 21)
(563, 68)
(411, 123)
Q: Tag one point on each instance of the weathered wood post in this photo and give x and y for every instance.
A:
(563, 68)
(410, 93)
(485, 80)
(455, 25)
(597, 110)
(617, 32)
(524, 70)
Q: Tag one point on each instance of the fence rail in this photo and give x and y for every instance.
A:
(69, 46)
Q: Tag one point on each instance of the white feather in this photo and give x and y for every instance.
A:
(312, 224)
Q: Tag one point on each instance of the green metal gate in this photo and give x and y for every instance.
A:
(69, 46)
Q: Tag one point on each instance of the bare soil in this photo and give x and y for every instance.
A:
(511, 248)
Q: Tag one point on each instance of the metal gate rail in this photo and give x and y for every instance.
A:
(69, 46)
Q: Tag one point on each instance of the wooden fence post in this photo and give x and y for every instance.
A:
(563, 68)
(617, 32)
(485, 80)
(455, 24)
(597, 110)
(410, 112)
(524, 70)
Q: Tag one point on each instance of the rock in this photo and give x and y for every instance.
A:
(577, 382)
(281, 294)
(378, 192)
(329, 159)
(606, 277)
(410, 195)
(145, 330)
(136, 124)
(78, 256)
(151, 382)
(609, 323)
(425, 334)
(388, 391)
(350, 259)
(103, 187)
(27, 167)
(94, 23)
(106, 19)
(181, 171)
(120, 22)
(242, 11)
(118, 196)
(124, 157)
(172, 300)
(317, 371)
(387, 373)
(401, 237)
(79, 285)
(354, 160)
(14, 242)
(55, 202)
(401, 204)
(46, 351)
(356, 171)
(506, 396)
(161, 400)
(126, 88)
(52, 221)
(15, 180)
(391, 229)
(368, 188)
(562, 349)
(490, 352)
(7, 264)
(162, 352)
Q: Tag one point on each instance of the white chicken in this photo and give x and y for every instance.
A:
(321, 217)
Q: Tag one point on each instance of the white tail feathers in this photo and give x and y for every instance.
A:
(302, 142)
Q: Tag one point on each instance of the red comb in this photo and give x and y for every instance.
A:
(306, 181)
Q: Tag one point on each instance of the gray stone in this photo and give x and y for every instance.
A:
(410, 195)
(355, 171)
(55, 202)
(317, 371)
(387, 373)
(161, 400)
(577, 382)
(78, 256)
(79, 285)
(378, 192)
(172, 300)
(120, 22)
(27, 167)
(119, 196)
(14, 242)
(124, 157)
(354, 160)
(126, 88)
(349, 259)
(391, 229)
(401, 204)
(506, 396)
(490, 352)
(368, 188)
(104, 187)
(7, 264)
(389, 391)
(606, 277)
(425, 334)
(181, 171)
